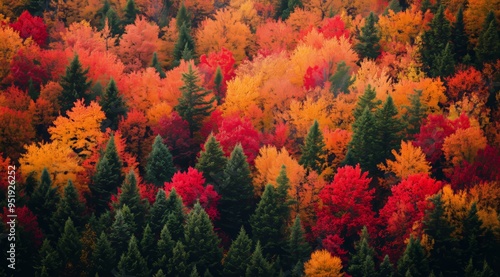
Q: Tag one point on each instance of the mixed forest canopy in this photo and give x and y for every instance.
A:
(251, 137)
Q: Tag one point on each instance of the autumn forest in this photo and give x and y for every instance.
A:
(250, 138)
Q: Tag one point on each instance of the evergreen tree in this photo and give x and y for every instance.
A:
(413, 260)
(238, 256)
(133, 263)
(218, 79)
(114, 22)
(49, 259)
(193, 104)
(69, 248)
(131, 197)
(69, 206)
(74, 85)
(445, 253)
(202, 243)
(160, 164)
(341, 80)
(123, 227)
(434, 41)
(194, 272)
(459, 38)
(488, 46)
(165, 249)
(386, 269)
(159, 273)
(298, 249)
(445, 65)
(313, 151)
(184, 41)
(212, 162)
(157, 66)
(362, 261)
(102, 13)
(367, 100)
(32, 91)
(390, 130)
(108, 177)
(158, 213)
(43, 203)
(266, 222)
(426, 5)
(284, 201)
(183, 17)
(369, 38)
(259, 266)
(131, 12)
(113, 106)
(176, 216)
(414, 115)
(148, 246)
(291, 5)
(394, 6)
(103, 256)
(187, 53)
(179, 264)
(236, 191)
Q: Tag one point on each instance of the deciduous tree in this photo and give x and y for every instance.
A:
(322, 263)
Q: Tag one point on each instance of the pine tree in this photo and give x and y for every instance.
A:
(488, 46)
(176, 216)
(131, 197)
(444, 64)
(236, 191)
(394, 6)
(32, 91)
(133, 263)
(414, 115)
(313, 151)
(238, 256)
(183, 17)
(413, 260)
(369, 38)
(123, 227)
(160, 164)
(113, 106)
(131, 12)
(185, 42)
(114, 22)
(157, 66)
(212, 162)
(103, 256)
(259, 266)
(159, 273)
(362, 261)
(218, 79)
(367, 100)
(148, 246)
(202, 243)
(69, 206)
(266, 222)
(74, 85)
(284, 201)
(459, 38)
(193, 104)
(341, 80)
(43, 203)
(298, 249)
(165, 248)
(386, 269)
(475, 241)
(389, 128)
(426, 5)
(434, 41)
(291, 5)
(108, 177)
(179, 264)
(194, 272)
(69, 248)
(158, 213)
(49, 259)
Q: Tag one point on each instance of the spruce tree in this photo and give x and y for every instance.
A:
(32, 91)
(131, 197)
(114, 22)
(158, 213)
(284, 201)
(426, 5)
(367, 100)
(236, 191)
(183, 17)
(394, 6)
(185, 42)
(130, 14)
(341, 80)
(159, 273)
(193, 104)
(69, 206)
(488, 46)
(386, 269)
(113, 106)
(313, 151)
(148, 246)
(266, 222)
(414, 115)
(133, 263)
(218, 79)
(43, 203)
(389, 129)
(413, 260)
(194, 272)
(49, 259)
(289, 6)
(108, 177)
(157, 66)
(259, 266)
(176, 216)
(160, 164)
(362, 261)
(212, 162)
(444, 63)
(238, 256)
(297, 248)
(178, 264)
(369, 38)
(165, 247)
(459, 38)
(202, 243)
(69, 248)
(123, 227)
(74, 85)
(103, 256)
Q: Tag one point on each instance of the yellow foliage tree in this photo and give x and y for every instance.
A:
(410, 160)
(80, 130)
(323, 264)
(370, 73)
(303, 113)
(10, 43)
(463, 145)
(432, 94)
(59, 159)
(401, 27)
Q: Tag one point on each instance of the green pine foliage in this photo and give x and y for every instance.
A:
(43, 203)
(159, 273)
(158, 213)
(176, 216)
(131, 13)
(49, 259)
(212, 162)
(313, 151)
(284, 201)
(194, 272)
(103, 256)
(386, 269)
(157, 66)
(148, 246)
(32, 91)
(341, 80)
(389, 128)
(69, 248)
(123, 227)
(218, 79)
(413, 260)
(415, 113)
(113, 106)
(202, 243)
(114, 22)
(259, 266)
(362, 261)
(69, 206)
(488, 46)
(165, 248)
(133, 263)
(179, 264)
(369, 38)
(74, 85)
(160, 164)
(183, 17)
(238, 256)
(236, 190)
(445, 64)
(185, 42)
(297, 248)
(367, 100)
(459, 38)
(131, 197)
(394, 6)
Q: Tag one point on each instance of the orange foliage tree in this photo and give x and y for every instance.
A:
(463, 145)
(323, 264)
(409, 161)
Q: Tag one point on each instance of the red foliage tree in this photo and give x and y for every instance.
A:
(404, 208)
(334, 27)
(148, 191)
(190, 186)
(208, 65)
(346, 208)
(16, 130)
(31, 26)
(466, 82)
(316, 76)
(27, 65)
